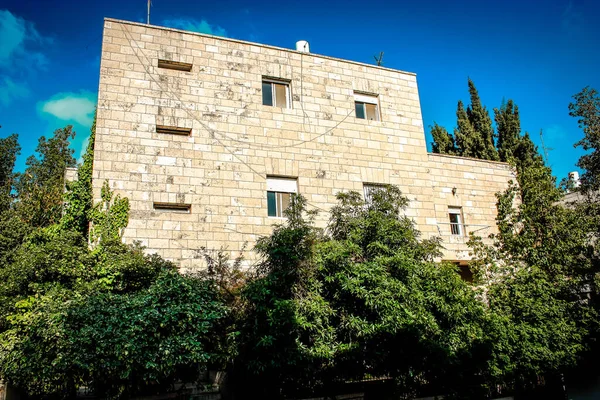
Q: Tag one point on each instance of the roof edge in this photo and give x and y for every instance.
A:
(502, 163)
(108, 19)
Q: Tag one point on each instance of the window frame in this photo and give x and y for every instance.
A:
(278, 186)
(363, 99)
(456, 228)
(288, 92)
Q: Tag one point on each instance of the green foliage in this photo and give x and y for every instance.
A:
(111, 318)
(9, 150)
(35, 354)
(115, 344)
(327, 309)
(47, 258)
(586, 108)
(508, 126)
(40, 188)
(480, 120)
(79, 194)
(537, 274)
(535, 332)
(145, 341)
(109, 217)
(474, 134)
(443, 142)
(12, 233)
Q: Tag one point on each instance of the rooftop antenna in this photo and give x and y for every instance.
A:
(379, 59)
(148, 19)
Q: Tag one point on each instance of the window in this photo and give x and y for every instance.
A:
(456, 221)
(173, 130)
(276, 93)
(366, 106)
(463, 269)
(279, 194)
(369, 188)
(173, 207)
(178, 66)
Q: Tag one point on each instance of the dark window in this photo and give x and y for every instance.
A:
(276, 94)
(279, 195)
(360, 110)
(456, 223)
(366, 106)
(277, 203)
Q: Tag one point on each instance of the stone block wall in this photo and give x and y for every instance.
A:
(220, 169)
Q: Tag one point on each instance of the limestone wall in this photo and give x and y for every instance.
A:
(220, 169)
(471, 184)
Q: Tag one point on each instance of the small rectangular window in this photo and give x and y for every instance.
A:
(173, 130)
(366, 106)
(456, 220)
(279, 195)
(369, 188)
(173, 207)
(175, 65)
(276, 93)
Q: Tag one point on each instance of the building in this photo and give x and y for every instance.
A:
(209, 136)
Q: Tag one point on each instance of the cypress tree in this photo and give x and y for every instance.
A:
(508, 125)
(443, 142)
(468, 140)
(482, 125)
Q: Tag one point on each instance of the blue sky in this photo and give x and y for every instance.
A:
(537, 53)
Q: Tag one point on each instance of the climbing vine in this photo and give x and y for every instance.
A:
(78, 198)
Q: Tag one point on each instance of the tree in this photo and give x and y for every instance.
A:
(79, 194)
(533, 277)
(586, 108)
(508, 126)
(326, 309)
(40, 188)
(481, 122)
(473, 135)
(9, 150)
(111, 318)
(443, 142)
(117, 345)
(469, 141)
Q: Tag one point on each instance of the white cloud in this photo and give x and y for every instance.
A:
(20, 56)
(76, 107)
(20, 42)
(9, 90)
(190, 24)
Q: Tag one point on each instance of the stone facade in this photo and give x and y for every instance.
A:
(220, 168)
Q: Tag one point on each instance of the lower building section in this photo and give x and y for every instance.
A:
(453, 198)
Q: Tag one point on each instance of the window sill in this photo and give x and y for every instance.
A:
(378, 121)
(276, 107)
